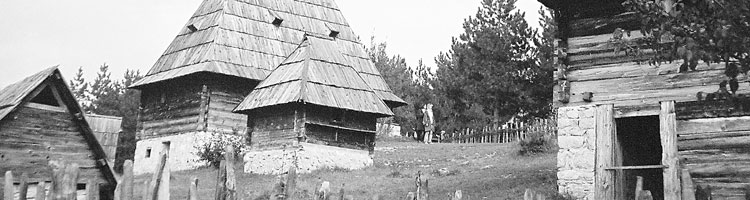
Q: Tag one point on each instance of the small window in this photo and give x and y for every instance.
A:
(192, 28)
(333, 31)
(148, 152)
(46, 97)
(276, 18)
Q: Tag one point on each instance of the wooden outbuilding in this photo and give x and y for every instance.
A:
(107, 130)
(314, 96)
(41, 121)
(620, 118)
(226, 48)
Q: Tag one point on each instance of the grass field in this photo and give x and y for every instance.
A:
(481, 171)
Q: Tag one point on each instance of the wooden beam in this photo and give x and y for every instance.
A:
(605, 133)
(637, 167)
(668, 133)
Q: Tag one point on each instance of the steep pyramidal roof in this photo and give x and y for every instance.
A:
(249, 38)
(316, 73)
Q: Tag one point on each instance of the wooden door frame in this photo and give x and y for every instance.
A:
(606, 133)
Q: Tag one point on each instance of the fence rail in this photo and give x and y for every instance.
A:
(509, 132)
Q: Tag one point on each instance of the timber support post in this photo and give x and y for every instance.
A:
(605, 134)
(668, 133)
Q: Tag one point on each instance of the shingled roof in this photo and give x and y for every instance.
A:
(250, 38)
(316, 73)
(12, 95)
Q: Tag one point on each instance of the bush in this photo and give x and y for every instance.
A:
(211, 150)
(536, 142)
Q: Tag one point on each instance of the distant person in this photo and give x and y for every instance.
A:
(418, 126)
(429, 123)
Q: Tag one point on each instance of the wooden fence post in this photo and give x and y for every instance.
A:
(638, 187)
(193, 193)
(124, 188)
(8, 187)
(92, 190)
(144, 191)
(291, 182)
(342, 191)
(221, 179)
(23, 188)
(457, 195)
(231, 190)
(688, 190)
(156, 179)
(40, 193)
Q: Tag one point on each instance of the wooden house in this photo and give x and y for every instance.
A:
(226, 48)
(619, 118)
(41, 121)
(314, 96)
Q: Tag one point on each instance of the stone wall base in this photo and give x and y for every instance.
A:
(576, 137)
(182, 150)
(310, 157)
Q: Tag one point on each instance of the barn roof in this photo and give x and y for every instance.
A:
(16, 94)
(107, 131)
(240, 38)
(317, 72)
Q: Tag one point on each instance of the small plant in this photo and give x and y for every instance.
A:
(395, 174)
(211, 149)
(535, 142)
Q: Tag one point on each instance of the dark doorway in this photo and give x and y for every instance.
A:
(639, 144)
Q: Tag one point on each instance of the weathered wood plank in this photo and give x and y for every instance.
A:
(712, 125)
(718, 141)
(604, 24)
(668, 135)
(605, 133)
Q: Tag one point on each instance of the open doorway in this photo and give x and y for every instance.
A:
(638, 144)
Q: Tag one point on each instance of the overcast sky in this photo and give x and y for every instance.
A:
(132, 34)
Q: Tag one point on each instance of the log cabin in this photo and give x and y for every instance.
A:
(41, 121)
(620, 118)
(226, 48)
(315, 97)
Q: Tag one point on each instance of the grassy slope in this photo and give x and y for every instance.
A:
(481, 171)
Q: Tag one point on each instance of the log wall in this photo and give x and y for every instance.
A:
(272, 128)
(336, 127)
(169, 110)
(591, 66)
(198, 102)
(223, 98)
(716, 152)
(31, 137)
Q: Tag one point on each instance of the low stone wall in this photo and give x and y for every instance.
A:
(181, 152)
(310, 157)
(576, 130)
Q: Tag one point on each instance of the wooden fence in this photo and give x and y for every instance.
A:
(65, 179)
(509, 132)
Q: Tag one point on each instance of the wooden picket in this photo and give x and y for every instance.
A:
(511, 132)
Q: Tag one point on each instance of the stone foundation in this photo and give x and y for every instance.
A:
(310, 157)
(576, 130)
(182, 150)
